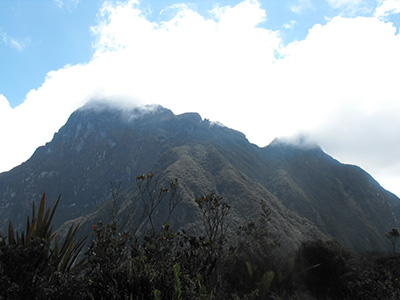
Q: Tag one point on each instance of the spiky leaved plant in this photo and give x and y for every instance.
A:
(31, 257)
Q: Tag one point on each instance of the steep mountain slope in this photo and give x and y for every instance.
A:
(310, 194)
(342, 200)
(98, 145)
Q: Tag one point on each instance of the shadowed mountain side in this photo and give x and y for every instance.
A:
(342, 200)
(201, 169)
(97, 146)
(206, 167)
(310, 194)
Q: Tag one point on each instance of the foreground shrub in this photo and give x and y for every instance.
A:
(28, 260)
(107, 266)
(326, 268)
(164, 264)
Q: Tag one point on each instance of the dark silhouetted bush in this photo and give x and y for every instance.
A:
(326, 268)
(164, 264)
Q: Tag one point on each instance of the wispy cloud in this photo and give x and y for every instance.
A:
(344, 3)
(302, 6)
(17, 44)
(70, 5)
(289, 25)
(353, 7)
(387, 7)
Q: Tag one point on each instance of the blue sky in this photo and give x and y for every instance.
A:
(327, 68)
(39, 36)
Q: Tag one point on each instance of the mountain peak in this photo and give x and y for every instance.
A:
(300, 141)
(127, 112)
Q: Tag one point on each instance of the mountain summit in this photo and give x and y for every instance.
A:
(310, 194)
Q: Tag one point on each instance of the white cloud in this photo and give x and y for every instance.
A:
(5, 108)
(246, 15)
(388, 7)
(346, 75)
(301, 6)
(189, 62)
(340, 83)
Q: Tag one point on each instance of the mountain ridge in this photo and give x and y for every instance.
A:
(310, 194)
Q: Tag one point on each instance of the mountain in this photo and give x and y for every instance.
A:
(310, 194)
(343, 201)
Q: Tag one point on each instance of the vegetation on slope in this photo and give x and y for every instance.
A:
(165, 264)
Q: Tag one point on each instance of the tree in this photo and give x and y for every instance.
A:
(152, 194)
(393, 235)
(214, 212)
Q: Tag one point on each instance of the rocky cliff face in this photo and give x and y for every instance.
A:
(310, 194)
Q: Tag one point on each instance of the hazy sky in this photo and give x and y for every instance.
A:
(268, 68)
